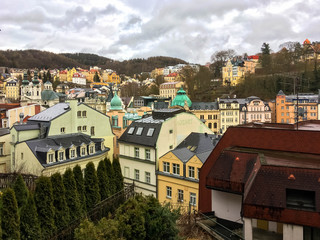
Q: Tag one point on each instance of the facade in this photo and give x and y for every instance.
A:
(79, 78)
(233, 72)
(286, 107)
(170, 89)
(209, 113)
(255, 110)
(172, 77)
(178, 174)
(145, 140)
(311, 51)
(268, 182)
(31, 91)
(4, 150)
(59, 137)
(229, 113)
(12, 90)
(113, 77)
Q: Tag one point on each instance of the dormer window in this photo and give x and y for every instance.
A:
(83, 150)
(102, 146)
(72, 153)
(50, 157)
(91, 148)
(61, 155)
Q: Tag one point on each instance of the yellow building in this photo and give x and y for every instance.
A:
(209, 113)
(229, 112)
(179, 169)
(170, 89)
(233, 72)
(12, 89)
(113, 78)
(156, 72)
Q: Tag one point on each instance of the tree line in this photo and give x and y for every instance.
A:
(56, 201)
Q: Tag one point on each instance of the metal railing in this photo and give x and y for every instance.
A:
(217, 227)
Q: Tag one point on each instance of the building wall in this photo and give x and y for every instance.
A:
(211, 117)
(255, 112)
(12, 91)
(5, 156)
(29, 110)
(176, 182)
(292, 232)
(231, 75)
(226, 205)
(229, 115)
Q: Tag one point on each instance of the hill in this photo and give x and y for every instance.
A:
(44, 59)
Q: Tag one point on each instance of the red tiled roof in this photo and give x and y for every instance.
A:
(253, 57)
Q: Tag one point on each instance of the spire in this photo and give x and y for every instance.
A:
(35, 80)
(25, 80)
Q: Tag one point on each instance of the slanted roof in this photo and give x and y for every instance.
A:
(204, 106)
(51, 113)
(4, 131)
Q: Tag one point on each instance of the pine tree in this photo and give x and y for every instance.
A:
(44, 203)
(72, 196)
(103, 180)
(29, 222)
(96, 77)
(91, 186)
(117, 174)
(62, 215)
(21, 191)
(111, 178)
(9, 216)
(78, 177)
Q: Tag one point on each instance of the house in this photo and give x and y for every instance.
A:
(209, 113)
(255, 110)
(170, 89)
(59, 137)
(286, 105)
(233, 72)
(4, 150)
(178, 174)
(12, 90)
(78, 78)
(113, 77)
(265, 177)
(146, 139)
(31, 91)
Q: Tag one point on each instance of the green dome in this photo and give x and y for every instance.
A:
(116, 103)
(47, 95)
(180, 99)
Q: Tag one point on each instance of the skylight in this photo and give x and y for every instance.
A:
(139, 131)
(130, 131)
(150, 132)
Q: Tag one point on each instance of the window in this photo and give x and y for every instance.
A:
(148, 154)
(171, 146)
(214, 125)
(176, 168)
(150, 132)
(170, 131)
(84, 128)
(79, 128)
(91, 150)
(282, 114)
(136, 174)
(92, 131)
(130, 131)
(125, 123)
(147, 177)
(21, 156)
(169, 192)
(84, 113)
(139, 130)
(209, 125)
(50, 157)
(83, 151)
(79, 114)
(61, 156)
(62, 130)
(282, 107)
(193, 199)
(209, 116)
(191, 172)
(166, 167)
(198, 173)
(282, 101)
(72, 153)
(287, 114)
(1, 149)
(115, 121)
(301, 199)
(180, 195)
(201, 116)
(136, 152)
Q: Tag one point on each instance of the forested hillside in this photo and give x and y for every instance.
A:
(49, 60)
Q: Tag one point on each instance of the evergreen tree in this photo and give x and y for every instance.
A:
(117, 174)
(21, 191)
(62, 215)
(78, 177)
(86, 231)
(29, 222)
(72, 196)
(111, 178)
(48, 75)
(103, 180)
(44, 203)
(96, 77)
(9, 216)
(265, 58)
(91, 186)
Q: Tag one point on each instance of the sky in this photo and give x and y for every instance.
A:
(192, 30)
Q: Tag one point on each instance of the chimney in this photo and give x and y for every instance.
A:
(21, 116)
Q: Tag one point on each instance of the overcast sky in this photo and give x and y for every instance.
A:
(188, 29)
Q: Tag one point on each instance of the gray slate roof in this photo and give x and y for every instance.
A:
(199, 144)
(4, 131)
(51, 113)
(204, 106)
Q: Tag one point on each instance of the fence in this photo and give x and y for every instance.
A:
(7, 180)
(101, 210)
